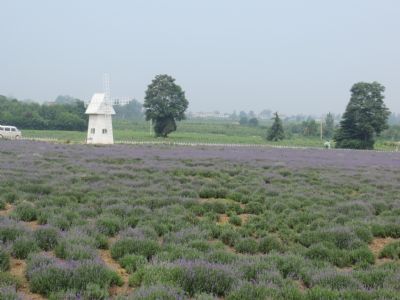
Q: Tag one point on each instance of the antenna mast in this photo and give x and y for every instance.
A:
(106, 87)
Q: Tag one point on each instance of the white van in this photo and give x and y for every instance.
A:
(9, 132)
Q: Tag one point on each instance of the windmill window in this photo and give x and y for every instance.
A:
(92, 130)
(104, 131)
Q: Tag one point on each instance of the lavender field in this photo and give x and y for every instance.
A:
(162, 222)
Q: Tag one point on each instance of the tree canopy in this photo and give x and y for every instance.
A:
(366, 116)
(243, 120)
(165, 103)
(253, 122)
(276, 132)
(46, 116)
(329, 126)
(310, 127)
(130, 111)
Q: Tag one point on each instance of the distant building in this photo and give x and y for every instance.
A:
(100, 113)
(209, 115)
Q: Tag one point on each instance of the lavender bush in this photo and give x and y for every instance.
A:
(47, 274)
(162, 211)
(11, 230)
(193, 276)
(23, 246)
(9, 293)
(46, 238)
(334, 280)
(391, 250)
(4, 259)
(124, 246)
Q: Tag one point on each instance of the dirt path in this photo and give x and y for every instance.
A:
(376, 247)
(300, 285)
(18, 268)
(32, 225)
(378, 244)
(245, 218)
(123, 290)
(223, 218)
(5, 212)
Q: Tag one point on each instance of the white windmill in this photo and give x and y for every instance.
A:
(100, 111)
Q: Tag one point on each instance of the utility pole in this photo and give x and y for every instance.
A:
(321, 128)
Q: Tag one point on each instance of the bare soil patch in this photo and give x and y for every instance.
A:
(5, 212)
(376, 247)
(345, 269)
(112, 240)
(244, 217)
(301, 286)
(231, 249)
(105, 255)
(378, 244)
(381, 261)
(18, 267)
(223, 219)
(32, 225)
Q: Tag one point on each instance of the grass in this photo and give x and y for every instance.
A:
(217, 132)
(135, 135)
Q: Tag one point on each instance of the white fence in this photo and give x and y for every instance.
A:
(201, 144)
(195, 144)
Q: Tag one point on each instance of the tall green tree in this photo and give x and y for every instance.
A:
(243, 121)
(329, 126)
(130, 111)
(310, 127)
(276, 132)
(30, 115)
(365, 117)
(65, 99)
(253, 122)
(164, 103)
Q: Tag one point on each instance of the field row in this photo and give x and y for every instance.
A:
(151, 222)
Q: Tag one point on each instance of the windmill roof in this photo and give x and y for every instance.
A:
(99, 106)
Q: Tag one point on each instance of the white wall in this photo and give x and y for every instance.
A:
(99, 123)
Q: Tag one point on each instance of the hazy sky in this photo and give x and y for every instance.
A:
(291, 56)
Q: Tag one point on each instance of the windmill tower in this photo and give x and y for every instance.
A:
(100, 113)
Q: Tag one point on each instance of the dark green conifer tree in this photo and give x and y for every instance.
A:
(276, 132)
(365, 117)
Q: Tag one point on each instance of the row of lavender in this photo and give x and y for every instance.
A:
(299, 222)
